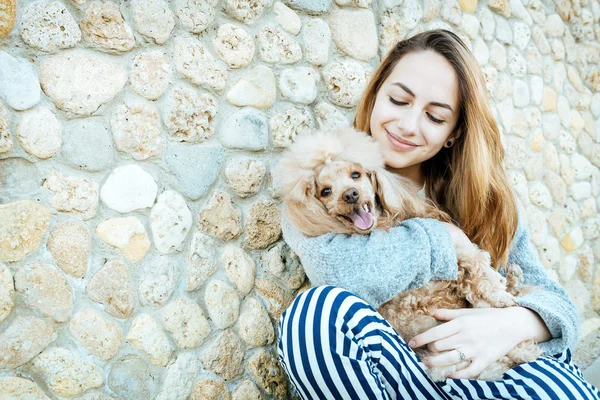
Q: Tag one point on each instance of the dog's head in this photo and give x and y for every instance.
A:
(335, 181)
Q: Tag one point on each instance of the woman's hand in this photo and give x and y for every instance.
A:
(484, 335)
(459, 238)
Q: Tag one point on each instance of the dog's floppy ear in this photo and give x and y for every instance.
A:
(397, 195)
(295, 183)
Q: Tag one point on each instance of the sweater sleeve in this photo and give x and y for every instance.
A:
(377, 266)
(552, 303)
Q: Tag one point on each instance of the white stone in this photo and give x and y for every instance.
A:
(487, 22)
(245, 129)
(146, 335)
(299, 84)
(451, 11)
(240, 268)
(195, 16)
(7, 292)
(104, 27)
(277, 46)
(289, 124)
(287, 18)
(522, 35)
(126, 234)
(153, 19)
(186, 322)
(503, 31)
(257, 89)
(193, 60)
(470, 25)
(581, 167)
(136, 130)
(329, 117)
(157, 281)
(49, 26)
(98, 335)
(72, 194)
(555, 26)
(540, 40)
(537, 90)
(222, 303)
(595, 105)
(345, 82)
(189, 115)
(180, 377)
(481, 51)
(316, 36)
(498, 56)
(128, 188)
(581, 190)
(354, 32)
(150, 74)
(6, 141)
(171, 220)
(520, 94)
(202, 260)
(19, 84)
(517, 66)
(234, 46)
(540, 195)
(79, 81)
(567, 142)
(39, 132)
(254, 324)
(567, 268)
(550, 252)
(246, 11)
(411, 13)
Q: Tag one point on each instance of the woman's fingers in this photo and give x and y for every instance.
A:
(444, 359)
(436, 333)
(474, 369)
(445, 344)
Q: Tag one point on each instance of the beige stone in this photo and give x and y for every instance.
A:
(283, 263)
(180, 378)
(268, 373)
(193, 60)
(549, 100)
(13, 388)
(245, 175)
(153, 18)
(195, 16)
(44, 288)
(210, 389)
(234, 46)
(278, 298)
(222, 303)
(246, 390)
(6, 141)
(224, 355)
(345, 82)
(254, 324)
(593, 79)
(287, 18)
(24, 338)
(137, 130)
(23, 225)
(202, 260)
(263, 225)
(72, 194)
(240, 268)
(316, 36)
(48, 26)
(256, 89)
(189, 116)
(65, 373)
(186, 322)
(354, 32)
(277, 46)
(146, 335)
(103, 26)
(220, 217)
(126, 234)
(246, 11)
(7, 292)
(150, 74)
(8, 16)
(573, 240)
(286, 126)
(69, 243)
(468, 6)
(98, 335)
(500, 6)
(157, 281)
(112, 287)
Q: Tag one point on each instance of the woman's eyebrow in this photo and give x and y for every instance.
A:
(433, 103)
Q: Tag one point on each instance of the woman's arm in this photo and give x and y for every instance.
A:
(552, 303)
(377, 266)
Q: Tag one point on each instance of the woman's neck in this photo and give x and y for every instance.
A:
(413, 173)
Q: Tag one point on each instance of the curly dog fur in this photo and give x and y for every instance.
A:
(336, 182)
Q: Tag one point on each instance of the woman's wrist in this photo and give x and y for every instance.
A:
(530, 325)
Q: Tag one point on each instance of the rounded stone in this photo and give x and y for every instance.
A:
(72, 194)
(254, 324)
(573, 240)
(180, 378)
(183, 162)
(153, 19)
(224, 355)
(23, 339)
(7, 292)
(87, 144)
(19, 178)
(222, 303)
(49, 27)
(522, 35)
(299, 84)
(186, 322)
(287, 18)
(131, 378)
(354, 32)
(150, 74)
(311, 7)
(79, 81)
(157, 281)
(520, 94)
(554, 26)
(193, 60)
(98, 335)
(256, 89)
(19, 388)
(285, 127)
(6, 141)
(267, 372)
(245, 175)
(210, 389)
(128, 188)
(277, 297)
(189, 116)
(8, 17)
(246, 390)
(503, 31)
(195, 16)
(282, 262)
(245, 129)
(220, 217)
(65, 373)
(202, 260)
(112, 287)
(263, 225)
(345, 82)
(246, 11)
(23, 227)
(137, 131)
(316, 36)
(240, 268)
(517, 66)
(171, 220)
(540, 195)
(104, 28)
(39, 132)
(69, 243)
(19, 84)
(234, 46)
(277, 46)
(329, 117)
(126, 234)
(146, 335)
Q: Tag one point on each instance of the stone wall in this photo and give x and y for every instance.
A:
(139, 223)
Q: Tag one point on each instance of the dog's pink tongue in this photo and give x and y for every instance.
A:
(362, 219)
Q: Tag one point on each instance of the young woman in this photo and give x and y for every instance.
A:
(427, 106)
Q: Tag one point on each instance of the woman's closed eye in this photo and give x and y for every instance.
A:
(398, 103)
(431, 117)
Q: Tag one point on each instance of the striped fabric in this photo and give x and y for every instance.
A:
(333, 345)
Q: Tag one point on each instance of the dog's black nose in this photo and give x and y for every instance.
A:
(350, 196)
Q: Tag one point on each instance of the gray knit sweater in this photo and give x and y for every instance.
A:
(377, 266)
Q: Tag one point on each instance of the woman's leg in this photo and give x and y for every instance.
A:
(333, 345)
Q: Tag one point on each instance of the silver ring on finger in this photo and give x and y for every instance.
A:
(461, 355)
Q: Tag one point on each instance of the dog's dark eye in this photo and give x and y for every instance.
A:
(325, 192)
(355, 175)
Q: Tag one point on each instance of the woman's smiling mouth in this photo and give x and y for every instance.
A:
(400, 144)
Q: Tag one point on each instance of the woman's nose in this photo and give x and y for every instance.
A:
(408, 122)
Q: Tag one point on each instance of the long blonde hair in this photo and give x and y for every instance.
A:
(466, 180)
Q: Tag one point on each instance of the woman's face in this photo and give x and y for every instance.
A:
(415, 111)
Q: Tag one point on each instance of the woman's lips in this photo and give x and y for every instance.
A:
(399, 143)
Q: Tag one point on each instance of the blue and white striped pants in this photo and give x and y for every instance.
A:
(333, 345)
